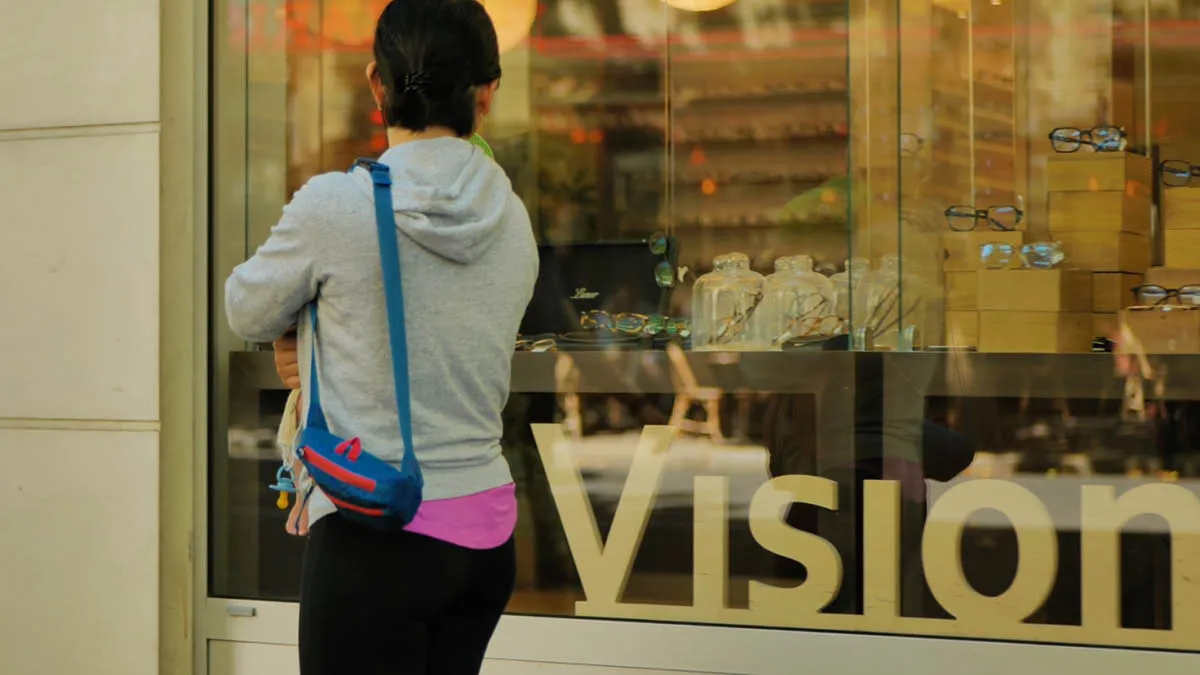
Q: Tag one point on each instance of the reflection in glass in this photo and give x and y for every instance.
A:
(686, 135)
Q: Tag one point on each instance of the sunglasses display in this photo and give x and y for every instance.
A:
(664, 272)
(1178, 173)
(1100, 139)
(1002, 218)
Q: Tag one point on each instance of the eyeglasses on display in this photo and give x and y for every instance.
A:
(1154, 295)
(1002, 218)
(1177, 172)
(680, 328)
(1100, 139)
(1043, 255)
(631, 323)
(625, 322)
(540, 343)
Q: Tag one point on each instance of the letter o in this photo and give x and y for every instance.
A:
(1037, 552)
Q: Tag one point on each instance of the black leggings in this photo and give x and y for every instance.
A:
(401, 604)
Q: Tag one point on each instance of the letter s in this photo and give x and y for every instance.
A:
(819, 557)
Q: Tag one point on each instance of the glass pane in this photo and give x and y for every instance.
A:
(1022, 100)
(742, 216)
(612, 130)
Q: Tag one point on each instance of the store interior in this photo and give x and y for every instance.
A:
(926, 240)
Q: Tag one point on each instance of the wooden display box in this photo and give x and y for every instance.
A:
(1157, 332)
(962, 329)
(1112, 211)
(1113, 291)
(962, 248)
(1035, 291)
(1106, 251)
(1100, 172)
(962, 291)
(1181, 208)
(1173, 277)
(1182, 248)
(1035, 332)
(1105, 324)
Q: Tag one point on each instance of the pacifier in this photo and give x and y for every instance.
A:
(284, 485)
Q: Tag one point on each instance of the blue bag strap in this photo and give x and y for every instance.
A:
(316, 416)
(393, 290)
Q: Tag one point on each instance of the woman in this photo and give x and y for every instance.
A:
(425, 600)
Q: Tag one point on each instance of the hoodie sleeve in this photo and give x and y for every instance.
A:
(264, 294)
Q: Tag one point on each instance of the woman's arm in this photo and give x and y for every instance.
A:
(264, 294)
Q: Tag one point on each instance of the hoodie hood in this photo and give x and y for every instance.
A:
(448, 195)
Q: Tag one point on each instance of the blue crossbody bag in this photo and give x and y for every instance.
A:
(363, 487)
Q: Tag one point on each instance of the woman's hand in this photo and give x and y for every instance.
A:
(287, 361)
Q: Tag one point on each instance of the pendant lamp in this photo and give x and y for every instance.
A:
(513, 20)
(698, 5)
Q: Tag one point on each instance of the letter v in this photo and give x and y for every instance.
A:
(604, 567)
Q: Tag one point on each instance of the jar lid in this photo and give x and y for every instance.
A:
(732, 260)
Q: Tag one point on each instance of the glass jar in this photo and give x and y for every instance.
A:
(880, 293)
(797, 299)
(726, 304)
(846, 285)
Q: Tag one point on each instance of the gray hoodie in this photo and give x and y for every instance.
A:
(469, 263)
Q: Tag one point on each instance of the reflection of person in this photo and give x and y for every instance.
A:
(426, 599)
(875, 434)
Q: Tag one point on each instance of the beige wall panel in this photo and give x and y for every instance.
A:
(79, 563)
(79, 277)
(73, 63)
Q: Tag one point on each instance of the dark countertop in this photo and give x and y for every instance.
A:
(1088, 376)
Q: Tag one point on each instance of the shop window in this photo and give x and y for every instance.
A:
(866, 316)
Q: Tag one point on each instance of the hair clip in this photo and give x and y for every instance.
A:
(414, 81)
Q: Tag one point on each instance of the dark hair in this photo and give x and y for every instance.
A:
(432, 56)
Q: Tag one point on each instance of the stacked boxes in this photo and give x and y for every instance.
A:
(1111, 292)
(1035, 311)
(1181, 221)
(963, 266)
(1100, 210)
(1168, 332)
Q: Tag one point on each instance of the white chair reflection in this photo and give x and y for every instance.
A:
(689, 394)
